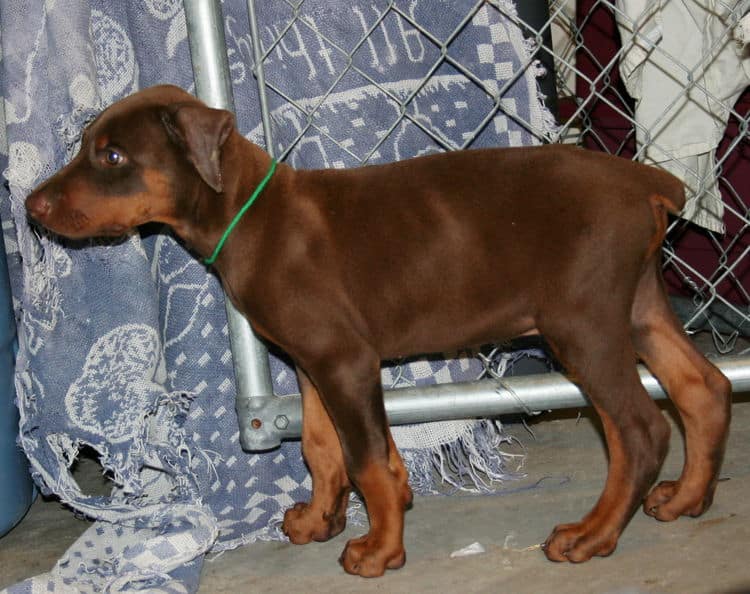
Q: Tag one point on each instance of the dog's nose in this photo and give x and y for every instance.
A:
(38, 205)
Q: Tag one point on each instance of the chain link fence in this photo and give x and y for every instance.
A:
(662, 82)
(665, 82)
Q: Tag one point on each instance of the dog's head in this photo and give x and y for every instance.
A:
(139, 158)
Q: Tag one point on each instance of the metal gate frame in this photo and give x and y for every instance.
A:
(265, 419)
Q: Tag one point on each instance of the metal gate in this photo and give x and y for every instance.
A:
(596, 55)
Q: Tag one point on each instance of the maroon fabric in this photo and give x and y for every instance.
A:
(611, 131)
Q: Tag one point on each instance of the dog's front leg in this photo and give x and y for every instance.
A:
(349, 387)
(325, 515)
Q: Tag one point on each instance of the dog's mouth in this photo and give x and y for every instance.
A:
(68, 217)
(77, 226)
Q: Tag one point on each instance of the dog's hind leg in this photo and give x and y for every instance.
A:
(349, 384)
(325, 515)
(596, 350)
(698, 389)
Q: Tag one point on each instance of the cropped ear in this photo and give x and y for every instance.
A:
(201, 132)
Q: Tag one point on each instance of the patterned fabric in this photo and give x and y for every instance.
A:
(124, 345)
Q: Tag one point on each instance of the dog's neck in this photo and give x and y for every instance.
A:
(206, 214)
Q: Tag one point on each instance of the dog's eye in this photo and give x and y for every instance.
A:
(113, 157)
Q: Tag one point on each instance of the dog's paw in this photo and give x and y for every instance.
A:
(579, 542)
(366, 557)
(669, 500)
(304, 523)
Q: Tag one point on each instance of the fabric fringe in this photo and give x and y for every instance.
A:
(474, 463)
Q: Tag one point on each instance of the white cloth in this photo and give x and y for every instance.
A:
(742, 31)
(685, 69)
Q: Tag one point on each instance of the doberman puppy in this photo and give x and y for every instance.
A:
(345, 268)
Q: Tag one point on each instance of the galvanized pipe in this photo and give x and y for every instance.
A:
(208, 52)
(488, 398)
(213, 85)
(519, 394)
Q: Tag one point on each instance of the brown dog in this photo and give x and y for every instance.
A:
(344, 268)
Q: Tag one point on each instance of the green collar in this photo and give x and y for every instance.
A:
(209, 261)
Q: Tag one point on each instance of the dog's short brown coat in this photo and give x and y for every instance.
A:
(344, 268)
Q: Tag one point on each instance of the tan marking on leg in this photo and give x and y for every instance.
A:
(387, 494)
(325, 515)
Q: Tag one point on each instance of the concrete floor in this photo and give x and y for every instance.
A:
(566, 468)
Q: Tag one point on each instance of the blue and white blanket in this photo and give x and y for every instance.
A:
(124, 344)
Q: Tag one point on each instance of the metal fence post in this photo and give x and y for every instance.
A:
(213, 85)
